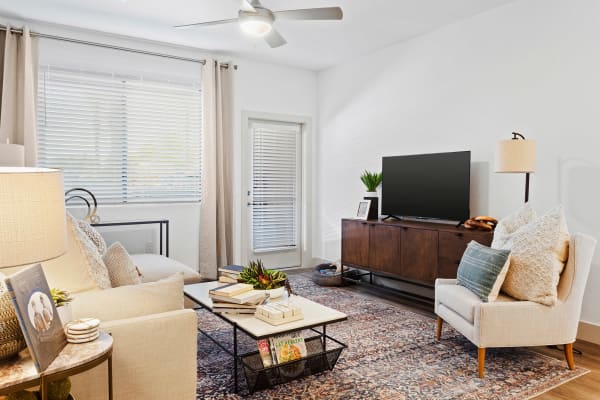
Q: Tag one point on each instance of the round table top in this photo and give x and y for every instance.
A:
(22, 370)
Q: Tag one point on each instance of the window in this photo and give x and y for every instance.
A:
(127, 139)
(275, 184)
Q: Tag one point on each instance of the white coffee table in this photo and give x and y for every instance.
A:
(315, 315)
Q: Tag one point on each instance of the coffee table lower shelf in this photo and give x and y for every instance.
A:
(319, 358)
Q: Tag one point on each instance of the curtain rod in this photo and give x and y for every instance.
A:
(110, 46)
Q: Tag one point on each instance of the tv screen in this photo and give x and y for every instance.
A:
(427, 185)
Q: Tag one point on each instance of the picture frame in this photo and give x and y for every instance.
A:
(362, 211)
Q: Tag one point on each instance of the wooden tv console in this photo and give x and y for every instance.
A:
(410, 251)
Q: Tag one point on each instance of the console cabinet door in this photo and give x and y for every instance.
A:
(419, 255)
(452, 247)
(355, 243)
(384, 248)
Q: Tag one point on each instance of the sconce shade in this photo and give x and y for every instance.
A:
(32, 216)
(514, 156)
(12, 155)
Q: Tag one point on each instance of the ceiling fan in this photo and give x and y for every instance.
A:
(257, 20)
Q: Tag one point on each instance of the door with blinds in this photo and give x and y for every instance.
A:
(274, 192)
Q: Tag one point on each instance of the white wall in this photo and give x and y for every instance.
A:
(257, 87)
(530, 66)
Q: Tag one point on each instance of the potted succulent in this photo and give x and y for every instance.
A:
(372, 180)
(62, 301)
(271, 280)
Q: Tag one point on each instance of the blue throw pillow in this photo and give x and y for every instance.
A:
(482, 270)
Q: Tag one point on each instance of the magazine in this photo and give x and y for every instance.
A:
(288, 347)
(37, 315)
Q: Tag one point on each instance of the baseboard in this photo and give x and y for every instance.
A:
(589, 332)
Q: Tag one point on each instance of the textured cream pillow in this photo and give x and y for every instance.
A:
(93, 235)
(131, 301)
(120, 266)
(539, 251)
(509, 225)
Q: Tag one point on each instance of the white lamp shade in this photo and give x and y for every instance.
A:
(12, 155)
(32, 216)
(515, 156)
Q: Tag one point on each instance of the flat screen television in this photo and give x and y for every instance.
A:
(435, 186)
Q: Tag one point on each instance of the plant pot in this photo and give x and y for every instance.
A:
(65, 313)
(276, 293)
(374, 209)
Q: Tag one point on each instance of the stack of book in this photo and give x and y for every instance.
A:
(230, 273)
(236, 298)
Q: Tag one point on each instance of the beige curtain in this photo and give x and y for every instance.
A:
(216, 202)
(19, 82)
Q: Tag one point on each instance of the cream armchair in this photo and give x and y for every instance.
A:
(511, 323)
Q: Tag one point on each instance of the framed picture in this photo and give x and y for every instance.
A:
(363, 209)
(37, 315)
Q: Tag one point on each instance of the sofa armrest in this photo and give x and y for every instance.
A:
(154, 358)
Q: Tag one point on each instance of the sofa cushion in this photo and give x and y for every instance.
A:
(93, 235)
(459, 299)
(154, 267)
(539, 251)
(120, 266)
(482, 270)
(131, 301)
(510, 224)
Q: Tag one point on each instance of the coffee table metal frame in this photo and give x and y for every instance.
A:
(235, 354)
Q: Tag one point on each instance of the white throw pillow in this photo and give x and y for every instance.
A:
(93, 235)
(509, 225)
(539, 251)
(120, 266)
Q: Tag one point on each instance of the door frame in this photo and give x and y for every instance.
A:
(306, 202)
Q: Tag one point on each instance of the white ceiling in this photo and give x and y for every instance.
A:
(368, 25)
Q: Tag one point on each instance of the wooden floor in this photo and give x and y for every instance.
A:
(586, 387)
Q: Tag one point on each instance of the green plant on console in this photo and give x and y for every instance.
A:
(371, 180)
(261, 278)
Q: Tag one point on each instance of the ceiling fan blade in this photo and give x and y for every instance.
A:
(331, 13)
(274, 39)
(246, 5)
(219, 22)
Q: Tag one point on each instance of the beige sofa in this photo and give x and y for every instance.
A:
(155, 337)
(511, 323)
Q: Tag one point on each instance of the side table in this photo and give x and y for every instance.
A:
(21, 373)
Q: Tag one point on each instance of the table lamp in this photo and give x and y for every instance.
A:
(516, 155)
(32, 230)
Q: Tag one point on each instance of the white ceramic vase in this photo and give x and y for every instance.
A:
(65, 313)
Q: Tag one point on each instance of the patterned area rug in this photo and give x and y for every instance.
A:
(392, 354)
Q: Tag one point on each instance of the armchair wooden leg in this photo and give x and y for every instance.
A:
(569, 355)
(438, 333)
(481, 361)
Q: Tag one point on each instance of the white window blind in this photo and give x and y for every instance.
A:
(275, 184)
(127, 139)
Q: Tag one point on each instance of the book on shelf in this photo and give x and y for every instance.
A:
(287, 347)
(231, 289)
(37, 315)
(233, 269)
(251, 297)
(265, 352)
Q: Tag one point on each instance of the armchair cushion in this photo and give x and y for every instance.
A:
(538, 253)
(482, 270)
(131, 301)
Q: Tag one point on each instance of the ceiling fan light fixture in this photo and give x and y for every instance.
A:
(256, 27)
(258, 23)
